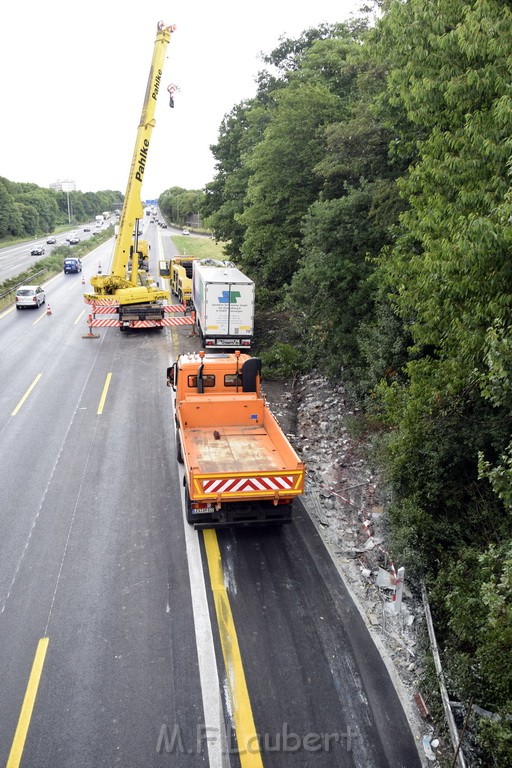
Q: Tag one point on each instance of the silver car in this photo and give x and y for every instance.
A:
(30, 296)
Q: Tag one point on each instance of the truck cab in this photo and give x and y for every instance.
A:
(180, 270)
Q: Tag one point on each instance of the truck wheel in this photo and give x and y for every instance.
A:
(179, 454)
(188, 510)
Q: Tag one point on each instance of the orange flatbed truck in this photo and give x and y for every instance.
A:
(239, 467)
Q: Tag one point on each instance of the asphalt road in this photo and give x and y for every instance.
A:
(99, 569)
(14, 259)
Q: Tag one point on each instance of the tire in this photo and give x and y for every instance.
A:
(188, 511)
(179, 454)
(18, 307)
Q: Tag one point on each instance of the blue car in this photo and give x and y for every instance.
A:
(72, 265)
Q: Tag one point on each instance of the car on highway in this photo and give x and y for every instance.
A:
(73, 240)
(51, 240)
(185, 232)
(37, 251)
(30, 296)
(87, 229)
(72, 265)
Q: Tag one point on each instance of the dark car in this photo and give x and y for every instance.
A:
(74, 240)
(72, 265)
(37, 251)
(51, 240)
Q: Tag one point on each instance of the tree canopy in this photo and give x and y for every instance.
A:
(27, 210)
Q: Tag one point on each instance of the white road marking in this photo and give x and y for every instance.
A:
(215, 728)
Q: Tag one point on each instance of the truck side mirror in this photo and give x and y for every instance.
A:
(170, 376)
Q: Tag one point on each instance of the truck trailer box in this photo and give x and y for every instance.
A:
(223, 299)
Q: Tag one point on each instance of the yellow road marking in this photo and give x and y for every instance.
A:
(27, 707)
(246, 736)
(27, 393)
(104, 394)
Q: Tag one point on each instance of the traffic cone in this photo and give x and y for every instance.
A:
(90, 335)
(48, 310)
(99, 268)
(83, 280)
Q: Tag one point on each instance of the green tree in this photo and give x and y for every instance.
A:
(225, 196)
(450, 278)
(11, 220)
(282, 185)
(179, 204)
(30, 218)
(332, 284)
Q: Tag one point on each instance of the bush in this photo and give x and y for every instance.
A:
(282, 361)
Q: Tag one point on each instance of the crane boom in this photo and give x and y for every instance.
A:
(134, 288)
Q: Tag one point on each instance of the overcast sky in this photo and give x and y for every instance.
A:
(74, 76)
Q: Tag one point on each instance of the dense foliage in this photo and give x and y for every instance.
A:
(27, 210)
(179, 205)
(366, 188)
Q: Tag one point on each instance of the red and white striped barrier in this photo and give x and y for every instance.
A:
(109, 307)
(99, 323)
(238, 484)
(96, 322)
(104, 310)
(102, 302)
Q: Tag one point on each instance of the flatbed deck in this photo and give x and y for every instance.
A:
(237, 449)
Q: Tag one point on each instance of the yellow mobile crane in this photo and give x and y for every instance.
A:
(134, 293)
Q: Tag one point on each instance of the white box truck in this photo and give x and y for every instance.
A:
(223, 299)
